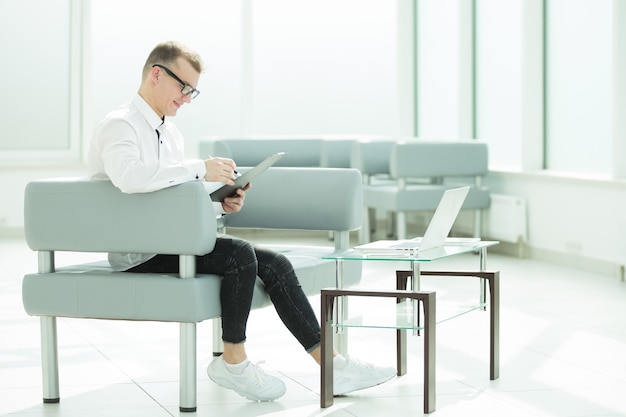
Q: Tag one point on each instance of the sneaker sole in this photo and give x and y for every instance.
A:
(351, 388)
(225, 383)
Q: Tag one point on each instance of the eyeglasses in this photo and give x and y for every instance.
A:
(187, 89)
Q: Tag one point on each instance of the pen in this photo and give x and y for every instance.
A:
(234, 170)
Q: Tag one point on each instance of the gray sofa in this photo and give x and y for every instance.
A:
(80, 215)
(329, 151)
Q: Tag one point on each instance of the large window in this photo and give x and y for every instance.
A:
(124, 32)
(284, 67)
(323, 67)
(274, 67)
(36, 82)
(498, 28)
(579, 52)
(438, 68)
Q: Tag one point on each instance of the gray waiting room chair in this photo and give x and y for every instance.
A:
(419, 172)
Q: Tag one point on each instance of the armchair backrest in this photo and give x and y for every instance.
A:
(421, 158)
(78, 214)
(335, 153)
(371, 157)
(303, 198)
(303, 152)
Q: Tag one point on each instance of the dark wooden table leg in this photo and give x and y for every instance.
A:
(401, 335)
(326, 390)
(493, 278)
(430, 322)
(494, 324)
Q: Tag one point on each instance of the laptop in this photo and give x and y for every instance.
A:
(244, 179)
(436, 233)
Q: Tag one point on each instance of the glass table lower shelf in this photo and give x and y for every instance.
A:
(404, 316)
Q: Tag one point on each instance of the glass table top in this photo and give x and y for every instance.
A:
(439, 252)
(404, 315)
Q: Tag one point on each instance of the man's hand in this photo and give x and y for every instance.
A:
(220, 170)
(235, 203)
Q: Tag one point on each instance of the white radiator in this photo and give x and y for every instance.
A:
(505, 220)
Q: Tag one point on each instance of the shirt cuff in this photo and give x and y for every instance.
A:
(196, 168)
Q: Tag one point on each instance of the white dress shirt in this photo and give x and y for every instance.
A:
(126, 149)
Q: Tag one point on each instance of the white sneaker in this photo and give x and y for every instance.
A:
(253, 383)
(350, 374)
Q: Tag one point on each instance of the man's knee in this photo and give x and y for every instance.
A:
(243, 252)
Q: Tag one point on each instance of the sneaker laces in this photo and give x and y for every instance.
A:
(355, 364)
(257, 376)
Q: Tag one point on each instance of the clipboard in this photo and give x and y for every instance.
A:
(246, 177)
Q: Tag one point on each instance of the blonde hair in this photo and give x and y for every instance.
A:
(166, 53)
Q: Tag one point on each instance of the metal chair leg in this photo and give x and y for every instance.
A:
(188, 390)
(50, 360)
(218, 343)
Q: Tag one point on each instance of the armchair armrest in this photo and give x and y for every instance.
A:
(78, 214)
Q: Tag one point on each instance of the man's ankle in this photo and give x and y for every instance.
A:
(237, 368)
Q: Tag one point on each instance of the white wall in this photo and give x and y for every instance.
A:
(581, 222)
(13, 181)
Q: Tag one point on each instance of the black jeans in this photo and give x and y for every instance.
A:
(239, 263)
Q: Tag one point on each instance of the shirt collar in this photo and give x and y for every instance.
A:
(144, 108)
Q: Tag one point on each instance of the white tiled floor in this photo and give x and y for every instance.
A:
(563, 353)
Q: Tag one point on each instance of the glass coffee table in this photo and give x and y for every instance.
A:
(407, 315)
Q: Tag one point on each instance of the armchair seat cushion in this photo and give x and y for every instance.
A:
(94, 290)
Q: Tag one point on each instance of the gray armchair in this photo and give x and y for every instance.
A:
(421, 171)
(80, 215)
(94, 216)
